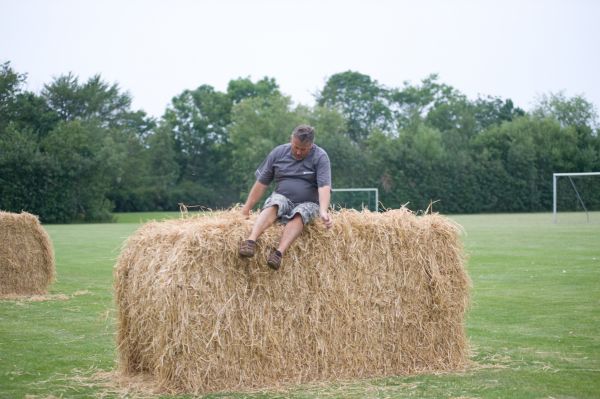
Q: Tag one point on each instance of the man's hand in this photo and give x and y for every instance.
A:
(326, 219)
(246, 212)
(324, 196)
(257, 191)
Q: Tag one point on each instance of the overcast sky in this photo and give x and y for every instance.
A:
(154, 49)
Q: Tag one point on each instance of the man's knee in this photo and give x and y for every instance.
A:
(272, 209)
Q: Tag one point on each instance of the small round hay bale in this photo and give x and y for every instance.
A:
(379, 294)
(26, 256)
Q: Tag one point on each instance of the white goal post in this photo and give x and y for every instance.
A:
(369, 190)
(569, 175)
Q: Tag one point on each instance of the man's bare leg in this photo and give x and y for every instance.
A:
(265, 219)
(291, 231)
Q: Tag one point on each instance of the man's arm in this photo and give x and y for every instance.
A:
(324, 198)
(257, 191)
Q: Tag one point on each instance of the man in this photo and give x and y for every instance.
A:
(302, 175)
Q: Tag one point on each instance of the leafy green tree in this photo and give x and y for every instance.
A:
(574, 111)
(130, 170)
(81, 176)
(129, 157)
(23, 171)
(23, 168)
(412, 103)
(423, 151)
(71, 150)
(162, 158)
(491, 111)
(344, 154)
(361, 100)
(579, 114)
(456, 122)
(64, 97)
(11, 84)
(198, 121)
(103, 108)
(24, 110)
(521, 156)
(437, 105)
(384, 158)
(32, 112)
(94, 99)
(242, 88)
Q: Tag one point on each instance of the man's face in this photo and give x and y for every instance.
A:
(300, 150)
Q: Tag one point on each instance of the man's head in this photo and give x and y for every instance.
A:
(302, 141)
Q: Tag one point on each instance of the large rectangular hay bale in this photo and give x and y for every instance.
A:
(26, 256)
(379, 294)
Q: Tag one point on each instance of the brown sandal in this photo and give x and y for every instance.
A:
(274, 259)
(247, 248)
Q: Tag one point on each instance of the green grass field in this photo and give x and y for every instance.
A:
(534, 324)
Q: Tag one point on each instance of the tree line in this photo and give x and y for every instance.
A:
(77, 151)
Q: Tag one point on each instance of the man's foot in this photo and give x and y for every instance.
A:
(247, 248)
(274, 259)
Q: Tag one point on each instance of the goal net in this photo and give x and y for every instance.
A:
(576, 197)
(355, 198)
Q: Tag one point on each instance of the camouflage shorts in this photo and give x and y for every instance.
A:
(286, 209)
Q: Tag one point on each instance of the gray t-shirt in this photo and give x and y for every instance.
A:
(298, 180)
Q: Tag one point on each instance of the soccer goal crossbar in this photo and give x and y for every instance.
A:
(374, 190)
(569, 175)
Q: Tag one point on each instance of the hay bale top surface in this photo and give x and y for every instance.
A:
(236, 225)
(398, 233)
(26, 255)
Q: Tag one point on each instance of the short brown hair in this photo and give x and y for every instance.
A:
(304, 133)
